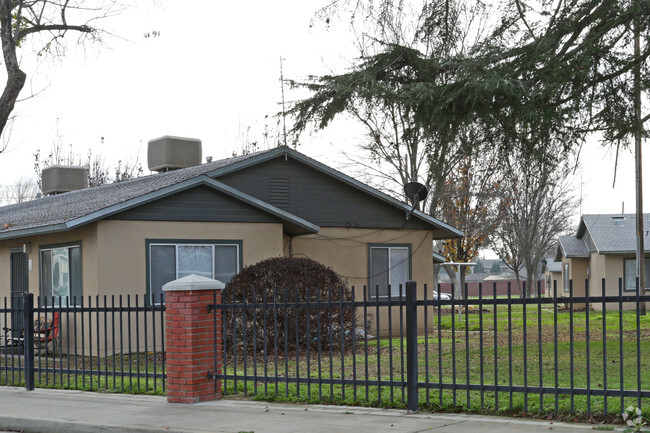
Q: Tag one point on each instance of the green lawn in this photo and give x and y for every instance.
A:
(482, 345)
(593, 364)
(110, 374)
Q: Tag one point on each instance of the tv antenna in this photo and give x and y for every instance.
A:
(284, 114)
(416, 192)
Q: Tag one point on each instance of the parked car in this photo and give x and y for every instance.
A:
(441, 296)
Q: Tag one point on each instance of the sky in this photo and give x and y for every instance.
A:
(213, 73)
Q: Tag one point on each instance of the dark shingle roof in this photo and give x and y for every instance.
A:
(613, 233)
(552, 265)
(60, 208)
(64, 211)
(571, 246)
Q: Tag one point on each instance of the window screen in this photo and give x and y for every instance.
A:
(171, 261)
(61, 278)
(389, 266)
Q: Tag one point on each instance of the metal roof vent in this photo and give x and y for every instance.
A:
(57, 179)
(171, 153)
(618, 220)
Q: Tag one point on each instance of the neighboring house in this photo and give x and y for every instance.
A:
(552, 271)
(212, 219)
(603, 248)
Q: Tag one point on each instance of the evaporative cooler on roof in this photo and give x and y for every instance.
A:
(171, 153)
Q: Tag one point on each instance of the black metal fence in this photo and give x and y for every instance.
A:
(96, 343)
(588, 354)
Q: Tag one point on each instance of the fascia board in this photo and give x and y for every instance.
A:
(438, 258)
(33, 231)
(620, 252)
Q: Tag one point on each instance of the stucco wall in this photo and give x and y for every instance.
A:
(113, 255)
(614, 269)
(87, 235)
(578, 274)
(346, 251)
(607, 266)
(123, 246)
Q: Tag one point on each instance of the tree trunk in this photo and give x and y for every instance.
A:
(15, 77)
(518, 283)
(463, 286)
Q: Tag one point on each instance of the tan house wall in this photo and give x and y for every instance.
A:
(87, 235)
(614, 269)
(609, 267)
(578, 273)
(346, 251)
(551, 278)
(259, 241)
(113, 254)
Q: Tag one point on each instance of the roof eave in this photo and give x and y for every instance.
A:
(293, 223)
(34, 231)
(620, 252)
(438, 258)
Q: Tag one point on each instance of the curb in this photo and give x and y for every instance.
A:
(29, 425)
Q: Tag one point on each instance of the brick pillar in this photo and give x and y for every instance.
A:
(190, 339)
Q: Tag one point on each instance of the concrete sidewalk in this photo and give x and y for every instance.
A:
(46, 410)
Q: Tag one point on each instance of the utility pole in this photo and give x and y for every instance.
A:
(638, 162)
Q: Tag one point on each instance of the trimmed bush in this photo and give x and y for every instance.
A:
(291, 288)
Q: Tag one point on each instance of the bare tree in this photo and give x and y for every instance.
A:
(45, 23)
(99, 173)
(24, 189)
(473, 202)
(541, 209)
(505, 242)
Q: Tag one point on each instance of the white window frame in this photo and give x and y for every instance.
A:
(50, 295)
(647, 272)
(187, 244)
(394, 290)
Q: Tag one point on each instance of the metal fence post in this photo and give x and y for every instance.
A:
(28, 340)
(411, 347)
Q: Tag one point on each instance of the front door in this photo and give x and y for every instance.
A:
(19, 286)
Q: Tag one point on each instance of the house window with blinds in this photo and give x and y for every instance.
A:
(390, 268)
(169, 261)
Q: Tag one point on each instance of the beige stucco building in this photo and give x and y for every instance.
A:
(601, 258)
(130, 238)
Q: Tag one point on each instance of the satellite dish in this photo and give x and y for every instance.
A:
(416, 191)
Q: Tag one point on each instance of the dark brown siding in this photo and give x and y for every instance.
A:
(198, 204)
(318, 197)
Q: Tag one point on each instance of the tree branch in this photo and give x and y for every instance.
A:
(54, 27)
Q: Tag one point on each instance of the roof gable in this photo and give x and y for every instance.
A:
(292, 223)
(325, 196)
(571, 246)
(612, 233)
(73, 209)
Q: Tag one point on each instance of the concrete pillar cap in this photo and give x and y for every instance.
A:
(193, 282)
